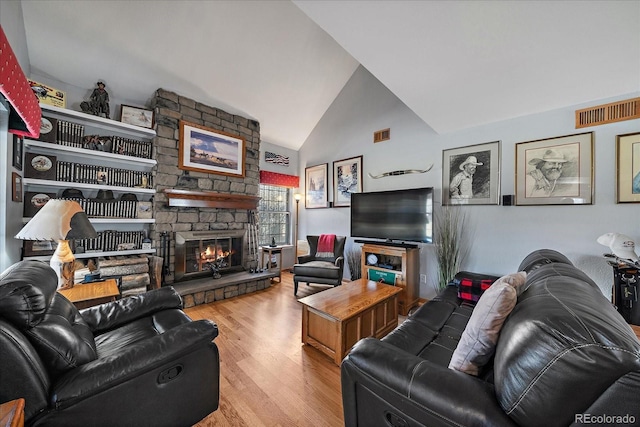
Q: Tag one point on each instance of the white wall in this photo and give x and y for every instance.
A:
(502, 235)
(11, 212)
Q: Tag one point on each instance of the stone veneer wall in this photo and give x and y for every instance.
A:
(169, 109)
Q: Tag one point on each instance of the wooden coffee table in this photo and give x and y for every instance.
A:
(335, 319)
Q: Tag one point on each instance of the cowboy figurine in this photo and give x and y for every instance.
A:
(461, 186)
(98, 104)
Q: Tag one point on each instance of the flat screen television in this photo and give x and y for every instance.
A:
(396, 216)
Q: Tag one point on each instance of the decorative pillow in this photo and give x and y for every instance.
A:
(479, 339)
(472, 285)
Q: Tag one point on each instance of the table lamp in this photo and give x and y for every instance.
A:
(60, 221)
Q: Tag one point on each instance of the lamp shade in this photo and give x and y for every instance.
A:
(58, 220)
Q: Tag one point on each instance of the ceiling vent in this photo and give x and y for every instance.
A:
(382, 135)
(608, 113)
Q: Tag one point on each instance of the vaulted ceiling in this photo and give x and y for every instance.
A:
(456, 64)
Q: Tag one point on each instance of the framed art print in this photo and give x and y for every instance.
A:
(555, 171)
(202, 149)
(628, 168)
(316, 186)
(16, 161)
(16, 187)
(347, 179)
(471, 175)
(136, 116)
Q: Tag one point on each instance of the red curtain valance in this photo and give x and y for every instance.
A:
(25, 113)
(279, 179)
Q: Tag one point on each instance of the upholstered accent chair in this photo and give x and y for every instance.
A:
(136, 361)
(320, 268)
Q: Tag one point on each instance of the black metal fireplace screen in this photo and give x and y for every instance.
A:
(198, 252)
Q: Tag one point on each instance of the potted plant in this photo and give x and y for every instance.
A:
(353, 260)
(450, 243)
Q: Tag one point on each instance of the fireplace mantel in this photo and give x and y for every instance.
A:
(210, 199)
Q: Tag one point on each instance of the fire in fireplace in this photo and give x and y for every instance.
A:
(198, 252)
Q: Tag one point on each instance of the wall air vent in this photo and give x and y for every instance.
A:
(608, 113)
(382, 135)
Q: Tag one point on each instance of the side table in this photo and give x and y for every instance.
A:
(12, 413)
(85, 295)
(636, 329)
(269, 251)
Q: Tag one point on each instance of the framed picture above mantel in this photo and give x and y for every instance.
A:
(207, 150)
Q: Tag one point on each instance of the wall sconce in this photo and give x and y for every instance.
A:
(60, 221)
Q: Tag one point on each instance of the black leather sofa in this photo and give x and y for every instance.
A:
(138, 361)
(564, 357)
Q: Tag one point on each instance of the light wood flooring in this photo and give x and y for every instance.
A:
(267, 376)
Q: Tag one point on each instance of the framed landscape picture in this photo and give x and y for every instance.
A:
(347, 179)
(316, 186)
(136, 116)
(628, 168)
(202, 149)
(471, 175)
(555, 171)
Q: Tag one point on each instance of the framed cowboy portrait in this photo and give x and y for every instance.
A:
(207, 150)
(471, 175)
(555, 171)
(628, 168)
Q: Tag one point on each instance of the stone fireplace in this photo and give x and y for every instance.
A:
(208, 210)
(197, 251)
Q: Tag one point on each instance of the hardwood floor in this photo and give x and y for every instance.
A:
(267, 376)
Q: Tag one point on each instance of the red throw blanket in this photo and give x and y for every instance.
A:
(325, 245)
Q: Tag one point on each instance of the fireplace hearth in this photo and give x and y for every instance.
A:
(199, 253)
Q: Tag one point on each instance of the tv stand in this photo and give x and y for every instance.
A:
(390, 243)
(396, 264)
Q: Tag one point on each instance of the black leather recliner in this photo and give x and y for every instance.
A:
(320, 270)
(139, 361)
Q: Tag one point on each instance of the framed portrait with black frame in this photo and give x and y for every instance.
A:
(555, 171)
(16, 159)
(347, 179)
(316, 186)
(471, 175)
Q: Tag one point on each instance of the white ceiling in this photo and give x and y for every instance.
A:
(456, 64)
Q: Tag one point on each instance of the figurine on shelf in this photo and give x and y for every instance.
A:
(98, 104)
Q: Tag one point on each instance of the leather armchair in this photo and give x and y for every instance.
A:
(321, 270)
(136, 361)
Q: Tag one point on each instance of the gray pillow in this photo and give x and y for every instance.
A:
(479, 339)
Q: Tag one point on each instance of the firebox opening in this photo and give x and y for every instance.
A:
(198, 252)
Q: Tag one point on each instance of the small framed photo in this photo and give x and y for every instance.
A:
(555, 171)
(39, 247)
(316, 186)
(471, 175)
(202, 149)
(628, 168)
(17, 152)
(347, 179)
(136, 116)
(16, 187)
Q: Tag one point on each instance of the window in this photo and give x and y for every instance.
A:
(274, 212)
